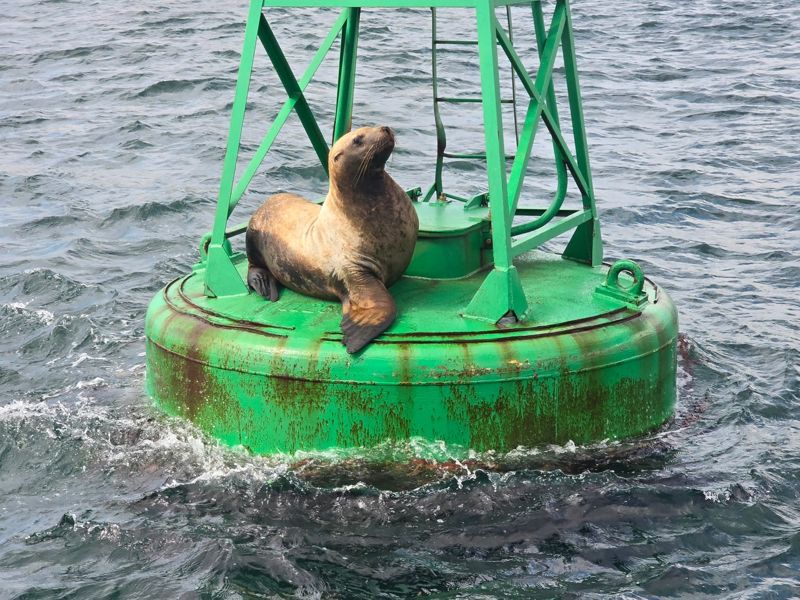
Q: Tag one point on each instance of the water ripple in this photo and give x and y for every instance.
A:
(114, 120)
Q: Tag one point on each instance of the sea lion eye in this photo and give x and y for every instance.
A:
(358, 140)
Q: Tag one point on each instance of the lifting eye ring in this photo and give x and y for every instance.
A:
(634, 270)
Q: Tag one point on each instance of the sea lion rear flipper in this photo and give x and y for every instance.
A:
(367, 311)
(261, 281)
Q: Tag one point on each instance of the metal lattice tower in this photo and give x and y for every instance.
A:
(494, 212)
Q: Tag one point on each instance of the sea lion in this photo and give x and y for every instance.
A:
(351, 248)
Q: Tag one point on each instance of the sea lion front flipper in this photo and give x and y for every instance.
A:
(261, 281)
(367, 311)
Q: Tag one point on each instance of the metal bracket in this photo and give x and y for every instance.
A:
(633, 294)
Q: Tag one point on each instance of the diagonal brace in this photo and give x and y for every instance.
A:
(549, 120)
(543, 78)
(295, 101)
(284, 71)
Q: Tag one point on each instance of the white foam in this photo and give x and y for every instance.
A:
(95, 383)
(21, 409)
(87, 384)
(41, 270)
(568, 448)
(83, 357)
(44, 316)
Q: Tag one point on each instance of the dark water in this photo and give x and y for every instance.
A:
(112, 122)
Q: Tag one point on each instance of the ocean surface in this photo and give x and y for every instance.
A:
(113, 120)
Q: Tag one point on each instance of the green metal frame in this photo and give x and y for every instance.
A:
(501, 293)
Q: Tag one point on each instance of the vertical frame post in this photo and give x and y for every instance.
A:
(222, 278)
(586, 244)
(493, 132)
(347, 75)
(501, 292)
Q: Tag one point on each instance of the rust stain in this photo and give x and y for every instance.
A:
(194, 371)
(404, 359)
(497, 414)
(300, 392)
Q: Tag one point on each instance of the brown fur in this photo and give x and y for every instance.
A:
(351, 248)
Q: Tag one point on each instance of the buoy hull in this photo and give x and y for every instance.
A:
(274, 377)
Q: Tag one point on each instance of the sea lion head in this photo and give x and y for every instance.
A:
(358, 157)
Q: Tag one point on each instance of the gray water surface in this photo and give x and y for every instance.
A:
(113, 119)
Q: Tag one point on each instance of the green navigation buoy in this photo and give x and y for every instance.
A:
(496, 344)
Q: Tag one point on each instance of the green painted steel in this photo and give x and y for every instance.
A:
(274, 376)
(437, 189)
(452, 242)
(502, 292)
(347, 74)
(496, 344)
(295, 91)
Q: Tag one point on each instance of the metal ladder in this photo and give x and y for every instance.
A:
(437, 189)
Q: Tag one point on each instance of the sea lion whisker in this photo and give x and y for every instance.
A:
(359, 173)
(366, 160)
(357, 176)
(364, 165)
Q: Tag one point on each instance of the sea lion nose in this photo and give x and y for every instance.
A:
(387, 130)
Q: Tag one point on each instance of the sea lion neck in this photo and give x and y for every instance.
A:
(359, 204)
(366, 187)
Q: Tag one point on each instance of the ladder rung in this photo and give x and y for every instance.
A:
(470, 100)
(471, 155)
(456, 42)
